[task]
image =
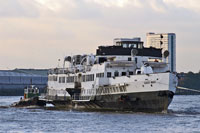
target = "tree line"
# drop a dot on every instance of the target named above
(189, 80)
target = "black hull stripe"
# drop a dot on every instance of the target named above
(143, 102)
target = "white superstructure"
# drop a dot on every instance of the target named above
(125, 76)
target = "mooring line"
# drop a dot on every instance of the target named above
(183, 88)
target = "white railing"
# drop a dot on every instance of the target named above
(77, 97)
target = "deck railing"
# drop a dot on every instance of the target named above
(77, 97)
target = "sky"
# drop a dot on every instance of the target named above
(36, 33)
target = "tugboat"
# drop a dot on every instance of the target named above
(31, 92)
(31, 98)
(123, 77)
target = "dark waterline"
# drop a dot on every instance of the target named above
(183, 116)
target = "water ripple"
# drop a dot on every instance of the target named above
(183, 116)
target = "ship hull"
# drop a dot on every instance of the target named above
(137, 102)
(139, 93)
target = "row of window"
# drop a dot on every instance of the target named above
(61, 79)
(131, 45)
(86, 78)
(89, 77)
(52, 78)
(116, 74)
(72, 79)
(100, 75)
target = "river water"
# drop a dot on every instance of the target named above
(183, 116)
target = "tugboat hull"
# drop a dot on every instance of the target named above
(30, 102)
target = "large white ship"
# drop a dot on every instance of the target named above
(125, 76)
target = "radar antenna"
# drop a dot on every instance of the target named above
(166, 53)
(134, 52)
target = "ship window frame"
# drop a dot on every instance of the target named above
(140, 45)
(63, 79)
(129, 59)
(130, 73)
(109, 74)
(133, 45)
(99, 75)
(116, 74)
(83, 78)
(124, 74)
(139, 72)
(125, 45)
(70, 79)
(55, 78)
(89, 77)
(59, 79)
